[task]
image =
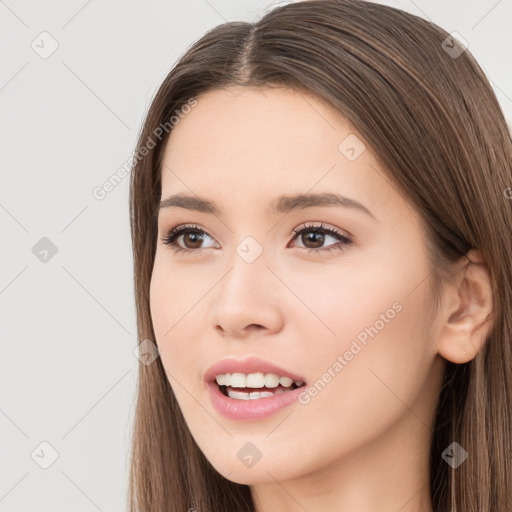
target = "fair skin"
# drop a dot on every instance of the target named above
(363, 442)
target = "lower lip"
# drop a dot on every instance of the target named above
(256, 409)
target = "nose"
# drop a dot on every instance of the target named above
(247, 300)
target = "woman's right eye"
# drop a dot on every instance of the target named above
(192, 234)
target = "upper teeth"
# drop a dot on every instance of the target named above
(254, 380)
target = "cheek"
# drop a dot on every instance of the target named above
(343, 302)
(365, 341)
(378, 298)
(173, 320)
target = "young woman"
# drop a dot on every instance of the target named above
(321, 224)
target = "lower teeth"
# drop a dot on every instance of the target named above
(253, 395)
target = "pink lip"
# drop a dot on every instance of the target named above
(260, 408)
(257, 409)
(247, 365)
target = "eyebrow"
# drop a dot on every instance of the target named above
(283, 204)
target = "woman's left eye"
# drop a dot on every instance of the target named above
(193, 236)
(319, 234)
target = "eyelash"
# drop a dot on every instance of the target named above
(173, 234)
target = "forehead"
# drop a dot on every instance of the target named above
(244, 144)
(256, 122)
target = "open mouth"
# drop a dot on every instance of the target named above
(244, 393)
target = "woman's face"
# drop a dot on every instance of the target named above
(349, 317)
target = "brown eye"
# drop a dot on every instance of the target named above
(192, 236)
(313, 238)
(316, 238)
(192, 240)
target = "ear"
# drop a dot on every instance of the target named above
(466, 312)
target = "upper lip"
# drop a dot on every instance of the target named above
(247, 365)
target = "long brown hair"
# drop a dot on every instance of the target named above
(427, 109)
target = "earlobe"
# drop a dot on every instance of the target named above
(467, 311)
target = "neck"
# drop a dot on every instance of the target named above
(388, 474)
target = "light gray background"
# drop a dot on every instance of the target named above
(68, 122)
